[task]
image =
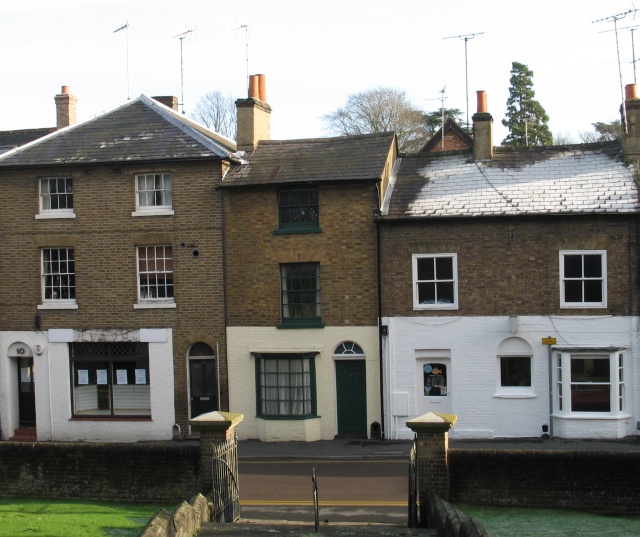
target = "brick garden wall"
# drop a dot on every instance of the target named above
(166, 472)
(599, 482)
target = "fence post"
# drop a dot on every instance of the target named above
(214, 428)
(432, 444)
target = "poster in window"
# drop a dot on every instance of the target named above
(121, 376)
(101, 376)
(83, 376)
(435, 380)
(141, 376)
(25, 374)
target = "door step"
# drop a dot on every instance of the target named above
(25, 434)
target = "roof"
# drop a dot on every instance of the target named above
(139, 130)
(581, 179)
(346, 158)
(11, 139)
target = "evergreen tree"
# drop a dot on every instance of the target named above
(525, 118)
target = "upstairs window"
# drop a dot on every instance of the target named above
(155, 274)
(301, 304)
(56, 196)
(583, 279)
(435, 281)
(153, 192)
(58, 275)
(298, 210)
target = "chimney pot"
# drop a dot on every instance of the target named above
(631, 91)
(482, 101)
(65, 90)
(262, 89)
(254, 92)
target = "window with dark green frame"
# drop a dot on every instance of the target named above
(298, 210)
(285, 385)
(300, 292)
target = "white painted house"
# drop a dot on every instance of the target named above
(510, 293)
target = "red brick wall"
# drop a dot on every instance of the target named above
(510, 266)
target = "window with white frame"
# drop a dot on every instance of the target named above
(583, 279)
(515, 371)
(155, 273)
(286, 385)
(590, 383)
(56, 196)
(110, 380)
(435, 281)
(58, 275)
(153, 191)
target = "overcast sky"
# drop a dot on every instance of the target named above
(314, 54)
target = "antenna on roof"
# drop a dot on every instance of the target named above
(245, 27)
(615, 19)
(125, 27)
(442, 99)
(633, 47)
(182, 37)
(466, 38)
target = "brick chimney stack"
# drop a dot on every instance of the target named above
(482, 130)
(631, 134)
(170, 101)
(65, 108)
(254, 115)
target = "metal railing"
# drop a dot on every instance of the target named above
(224, 473)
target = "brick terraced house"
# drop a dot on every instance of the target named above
(301, 282)
(112, 310)
(510, 288)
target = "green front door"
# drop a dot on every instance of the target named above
(351, 392)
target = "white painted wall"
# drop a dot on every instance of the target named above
(242, 341)
(472, 343)
(53, 387)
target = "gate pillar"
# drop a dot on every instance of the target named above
(432, 444)
(214, 428)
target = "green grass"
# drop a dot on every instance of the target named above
(515, 521)
(60, 518)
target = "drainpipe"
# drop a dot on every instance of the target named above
(379, 283)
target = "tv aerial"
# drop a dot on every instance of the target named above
(245, 29)
(182, 36)
(125, 27)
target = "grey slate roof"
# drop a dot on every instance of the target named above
(346, 158)
(11, 139)
(140, 130)
(564, 180)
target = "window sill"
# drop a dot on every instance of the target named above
(578, 306)
(428, 307)
(58, 306)
(294, 231)
(153, 212)
(55, 215)
(154, 305)
(311, 323)
(110, 418)
(592, 416)
(515, 395)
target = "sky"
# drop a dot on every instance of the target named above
(315, 53)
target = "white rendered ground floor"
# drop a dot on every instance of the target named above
(88, 385)
(562, 376)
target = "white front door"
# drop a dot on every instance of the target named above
(433, 385)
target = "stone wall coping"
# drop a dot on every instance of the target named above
(432, 422)
(216, 420)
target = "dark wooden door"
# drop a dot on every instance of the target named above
(351, 393)
(203, 387)
(26, 392)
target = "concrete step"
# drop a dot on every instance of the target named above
(25, 434)
(277, 528)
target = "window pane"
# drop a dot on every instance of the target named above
(593, 266)
(445, 293)
(515, 371)
(593, 291)
(573, 291)
(594, 398)
(573, 266)
(590, 370)
(426, 268)
(444, 268)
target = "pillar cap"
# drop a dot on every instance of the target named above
(432, 422)
(216, 420)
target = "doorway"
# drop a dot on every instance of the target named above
(351, 396)
(203, 380)
(26, 392)
(433, 385)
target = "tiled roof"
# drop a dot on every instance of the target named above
(11, 139)
(139, 130)
(347, 158)
(563, 180)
